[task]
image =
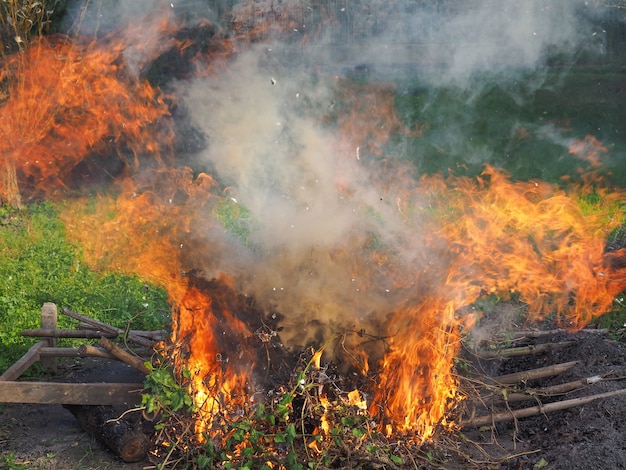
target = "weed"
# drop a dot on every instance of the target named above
(7, 462)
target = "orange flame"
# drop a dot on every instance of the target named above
(66, 102)
(475, 235)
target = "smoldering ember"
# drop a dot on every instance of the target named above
(391, 233)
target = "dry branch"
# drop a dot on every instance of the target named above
(505, 395)
(522, 350)
(156, 335)
(101, 326)
(540, 333)
(124, 356)
(533, 374)
(539, 409)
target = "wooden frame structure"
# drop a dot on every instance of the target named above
(46, 351)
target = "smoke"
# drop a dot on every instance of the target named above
(315, 207)
(310, 209)
(317, 210)
(446, 43)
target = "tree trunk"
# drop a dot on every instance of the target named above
(125, 438)
(9, 190)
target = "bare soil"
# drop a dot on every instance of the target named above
(591, 436)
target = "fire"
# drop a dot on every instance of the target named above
(525, 239)
(66, 102)
(70, 106)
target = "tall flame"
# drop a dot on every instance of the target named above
(71, 109)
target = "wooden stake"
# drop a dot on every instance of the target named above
(49, 317)
(539, 409)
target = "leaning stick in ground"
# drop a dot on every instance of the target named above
(539, 409)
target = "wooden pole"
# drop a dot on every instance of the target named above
(49, 317)
(67, 333)
(49, 393)
(28, 359)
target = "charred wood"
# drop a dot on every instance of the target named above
(125, 438)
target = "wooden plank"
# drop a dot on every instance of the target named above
(71, 394)
(28, 359)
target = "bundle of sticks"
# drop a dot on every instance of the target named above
(497, 399)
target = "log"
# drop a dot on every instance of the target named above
(125, 438)
(533, 374)
(124, 356)
(67, 333)
(539, 409)
(98, 325)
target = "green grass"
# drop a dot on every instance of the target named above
(524, 127)
(38, 265)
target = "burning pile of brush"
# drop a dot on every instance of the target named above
(320, 286)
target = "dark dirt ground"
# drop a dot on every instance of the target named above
(591, 436)
(49, 437)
